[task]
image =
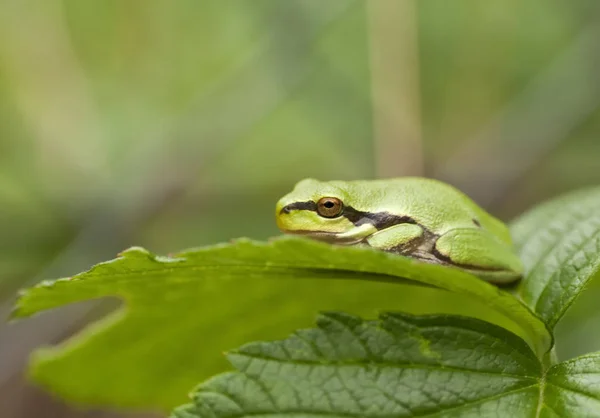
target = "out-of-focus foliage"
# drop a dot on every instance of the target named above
(203, 108)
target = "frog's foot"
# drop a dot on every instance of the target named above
(479, 253)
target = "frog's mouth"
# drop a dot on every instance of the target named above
(329, 237)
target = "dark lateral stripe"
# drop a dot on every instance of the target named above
(381, 220)
(309, 205)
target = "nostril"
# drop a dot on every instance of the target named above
(286, 210)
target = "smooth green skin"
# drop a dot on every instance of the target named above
(445, 226)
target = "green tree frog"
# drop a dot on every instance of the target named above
(416, 217)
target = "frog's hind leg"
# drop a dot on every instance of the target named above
(480, 253)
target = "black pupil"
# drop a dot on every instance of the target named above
(329, 204)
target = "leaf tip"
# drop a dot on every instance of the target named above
(20, 309)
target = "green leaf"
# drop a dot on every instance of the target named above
(559, 243)
(399, 366)
(183, 311)
(573, 388)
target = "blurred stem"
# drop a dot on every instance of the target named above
(393, 44)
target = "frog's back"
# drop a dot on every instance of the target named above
(429, 202)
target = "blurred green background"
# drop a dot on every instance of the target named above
(178, 124)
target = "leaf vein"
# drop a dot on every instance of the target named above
(359, 363)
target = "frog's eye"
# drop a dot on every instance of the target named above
(329, 207)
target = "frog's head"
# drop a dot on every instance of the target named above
(321, 210)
